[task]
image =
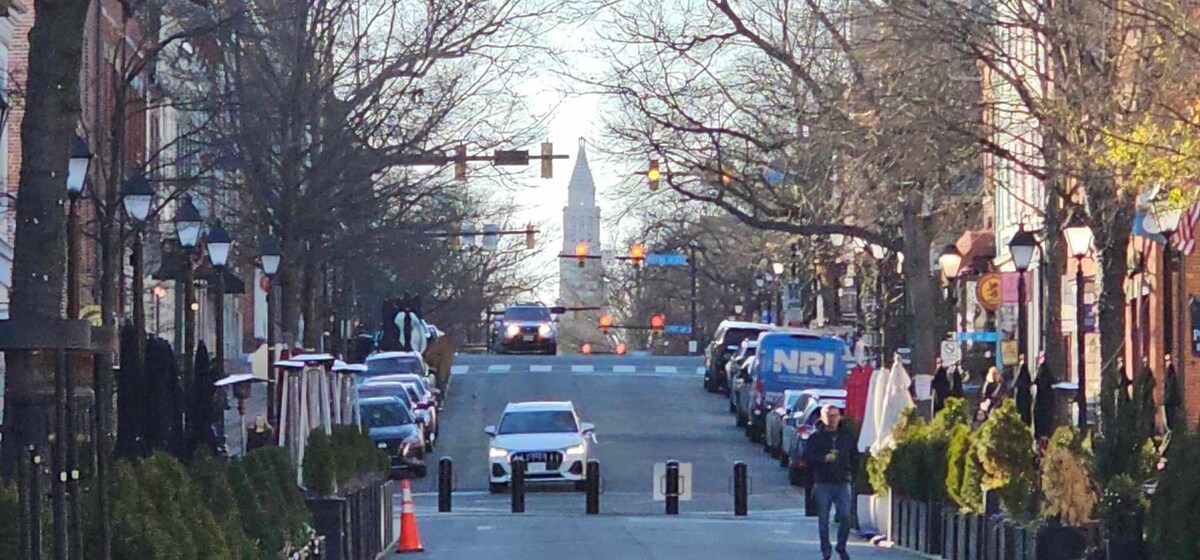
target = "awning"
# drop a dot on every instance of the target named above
(978, 248)
(174, 263)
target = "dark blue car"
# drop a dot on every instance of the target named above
(395, 430)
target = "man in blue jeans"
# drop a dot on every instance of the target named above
(830, 459)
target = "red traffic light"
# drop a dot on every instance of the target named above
(657, 322)
(637, 253)
(606, 321)
(621, 349)
(586, 348)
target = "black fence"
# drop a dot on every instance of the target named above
(941, 530)
(357, 526)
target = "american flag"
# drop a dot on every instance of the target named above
(1185, 240)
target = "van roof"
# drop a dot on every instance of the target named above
(728, 324)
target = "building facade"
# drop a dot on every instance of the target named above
(581, 286)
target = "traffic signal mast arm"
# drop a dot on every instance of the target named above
(498, 158)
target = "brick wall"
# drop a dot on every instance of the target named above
(1191, 364)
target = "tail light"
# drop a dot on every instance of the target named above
(804, 431)
(758, 386)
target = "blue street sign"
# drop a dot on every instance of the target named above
(670, 259)
(677, 329)
(977, 336)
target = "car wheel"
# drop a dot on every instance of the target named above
(795, 477)
(420, 472)
(429, 444)
(783, 460)
(741, 420)
(580, 485)
(768, 449)
(732, 407)
(755, 435)
(496, 487)
(553, 351)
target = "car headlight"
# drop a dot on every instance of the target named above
(497, 453)
(577, 450)
(544, 330)
(512, 330)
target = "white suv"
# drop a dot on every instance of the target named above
(548, 435)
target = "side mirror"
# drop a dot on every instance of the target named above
(586, 428)
(490, 431)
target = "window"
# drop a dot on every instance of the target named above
(539, 422)
(384, 415)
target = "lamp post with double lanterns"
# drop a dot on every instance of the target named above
(219, 245)
(1079, 241)
(269, 256)
(1022, 247)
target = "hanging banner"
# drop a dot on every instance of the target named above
(1194, 306)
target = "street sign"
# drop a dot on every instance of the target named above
(510, 157)
(660, 482)
(951, 352)
(677, 329)
(670, 259)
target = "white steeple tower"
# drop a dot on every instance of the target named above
(581, 286)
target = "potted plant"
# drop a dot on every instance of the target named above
(1070, 497)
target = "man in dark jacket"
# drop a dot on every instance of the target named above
(830, 459)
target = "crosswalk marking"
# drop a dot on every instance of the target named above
(665, 369)
(459, 370)
(536, 368)
(499, 368)
(624, 369)
(700, 370)
(582, 368)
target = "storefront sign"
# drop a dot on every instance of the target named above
(988, 291)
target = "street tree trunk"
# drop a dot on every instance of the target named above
(1112, 210)
(1055, 261)
(924, 297)
(52, 111)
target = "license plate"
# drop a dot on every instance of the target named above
(536, 467)
(528, 338)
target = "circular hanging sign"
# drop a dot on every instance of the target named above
(987, 290)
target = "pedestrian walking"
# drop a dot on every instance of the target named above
(1023, 390)
(940, 386)
(831, 459)
(260, 435)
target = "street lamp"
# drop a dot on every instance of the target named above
(777, 268)
(1021, 246)
(837, 239)
(137, 196)
(77, 169)
(219, 245)
(1079, 241)
(950, 261)
(269, 256)
(738, 309)
(188, 224)
(1167, 213)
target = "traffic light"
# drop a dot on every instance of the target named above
(657, 322)
(547, 163)
(606, 322)
(529, 241)
(621, 349)
(653, 175)
(581, 253)
(586, 348)
(637, 254)
(460, 163)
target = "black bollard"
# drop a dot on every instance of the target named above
(445, 483)
(672, 493)
(518, 485)
(741, 488)
(593, 487)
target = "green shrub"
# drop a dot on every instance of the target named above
(1004, 445)
(271, 478)
(918, 465)
(1173, 525)
(877, 465)
(1123, 507)
(342, 462)
(958, 453)
(212, 480)
(1066, 482)
(320, 465)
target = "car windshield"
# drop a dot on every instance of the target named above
(398, 390)
(734, 337)
(527, 314)
(792, 399)
(398, 364)
(538, 422)
(383, 415)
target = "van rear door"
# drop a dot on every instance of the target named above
(800, 361)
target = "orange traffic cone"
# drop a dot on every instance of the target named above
(410, 538)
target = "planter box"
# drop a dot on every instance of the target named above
(357, 526)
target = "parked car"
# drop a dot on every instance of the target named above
(528, 328)
(776, 421)
(745, 351)
(422, 397)
(384, 363)
(806, 423)
(796, 415)
(394, 429)
(725, 342)
(547, 435)
(739, 395)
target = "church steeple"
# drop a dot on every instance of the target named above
(581, 190)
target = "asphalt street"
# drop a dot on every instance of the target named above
(646, 410)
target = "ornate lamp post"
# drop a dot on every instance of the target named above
(1079, 241)
(1167, 213)
(77, 170)
(269, 256)
(1022, 246)
(188, 224)
(137, 196)
(219, 245)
